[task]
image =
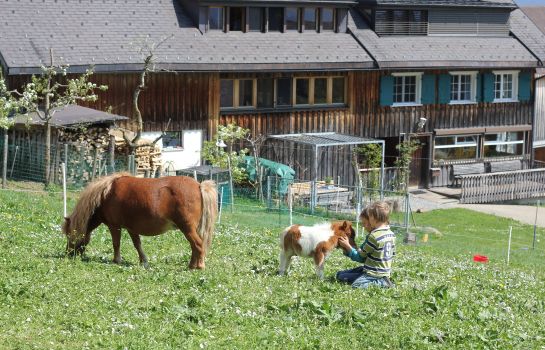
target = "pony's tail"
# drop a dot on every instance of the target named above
(209, 212)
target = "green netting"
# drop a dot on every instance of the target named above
(270, 168)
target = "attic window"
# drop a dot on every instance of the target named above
(327, 19)
(276, 19)
(215, 18)
(401, 22)
(309, 19)
(236, 18)
(256, 19)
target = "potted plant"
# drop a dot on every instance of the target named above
(329, 182)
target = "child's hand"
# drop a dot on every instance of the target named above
(345, 244)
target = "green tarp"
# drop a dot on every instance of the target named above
(270, 168)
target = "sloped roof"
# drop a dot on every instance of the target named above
(527, 32)
(71, 115)
(440, 51)
(108, 33)
(536, 14)
(442, 3)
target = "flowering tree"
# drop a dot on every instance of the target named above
(8, 104)
(46, 94)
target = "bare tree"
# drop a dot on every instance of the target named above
(255, 144)
(52, 91)
(147, 51)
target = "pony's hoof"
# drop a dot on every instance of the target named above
(145, 265)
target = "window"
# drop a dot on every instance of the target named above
(172, 139)
(276, 19)
(504, 144)
(302, 90)
(215, 18)
(268, 92)
(309, 19)
(256, 19)
(327, 19)
(463, 87)
(337, 90)
(320, 90)
(455, 147)
(401, 22)
(292, 18)
(505, 86)
(283, 92)
(226, 93)
(237, 93)
(265, 93)
(407, 88)
(246, 93)
(237, 16)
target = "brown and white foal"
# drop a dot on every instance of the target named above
(314, 242)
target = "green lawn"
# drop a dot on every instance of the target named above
(441, 300)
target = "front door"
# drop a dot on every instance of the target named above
(420, 163)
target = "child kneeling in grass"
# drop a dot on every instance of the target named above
(376, 253)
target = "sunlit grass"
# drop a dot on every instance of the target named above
(441, 299)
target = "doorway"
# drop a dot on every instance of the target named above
(420, 163)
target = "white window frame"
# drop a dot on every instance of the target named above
(473, 91)
(506, 143)
(515, 74)
(458, 144)
(418, 92)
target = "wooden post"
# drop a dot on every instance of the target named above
(111, 150)
(5, 161)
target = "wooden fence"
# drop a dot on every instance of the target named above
(502, 186)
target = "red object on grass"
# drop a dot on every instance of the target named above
(480, 258)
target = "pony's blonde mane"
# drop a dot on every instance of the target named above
(89, 200)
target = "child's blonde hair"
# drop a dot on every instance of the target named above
(364, 214)
(380, 211)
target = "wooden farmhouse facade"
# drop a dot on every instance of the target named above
(458, 75)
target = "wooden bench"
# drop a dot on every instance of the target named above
(466, 169)
(508, 165)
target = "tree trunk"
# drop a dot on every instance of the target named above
(47, 152)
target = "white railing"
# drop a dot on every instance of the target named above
(502, 186)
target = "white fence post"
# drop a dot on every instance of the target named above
(63, 167)
(509, 244)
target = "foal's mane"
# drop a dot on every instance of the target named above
(89, 200)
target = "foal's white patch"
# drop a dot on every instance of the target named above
(311, 236)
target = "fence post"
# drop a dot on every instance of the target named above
(290, 203)
(111, 149)
(509, 244)
(63, 167)
(5, 160)
(269, 203)
(221, 204)
(312, 196)
(407, 211)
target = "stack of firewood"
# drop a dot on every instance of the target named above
(96, 137)
(147, 155)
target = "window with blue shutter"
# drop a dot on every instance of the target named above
(386, 90)
(428, 89)
(444, 88)
(488, 87)
(525, 86)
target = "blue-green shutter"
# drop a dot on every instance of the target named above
(479, 92)
(488, 87)
(428, 89)
(386, 90)
(525, 81)
(444, 88)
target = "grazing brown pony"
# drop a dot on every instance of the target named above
(146, 207)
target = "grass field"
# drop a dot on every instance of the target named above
(441, 299)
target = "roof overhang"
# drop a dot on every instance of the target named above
(69, 116)
(324, 139)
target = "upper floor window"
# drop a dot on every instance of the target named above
(327, 19)
(215, 18)
(255, 22)
(309, 18)
(505, 86)
(292, 18)
(401, 22)
(276, 19)
(463, 87)
(407, 88)
(237, 18)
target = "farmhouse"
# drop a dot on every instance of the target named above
(457, 75)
